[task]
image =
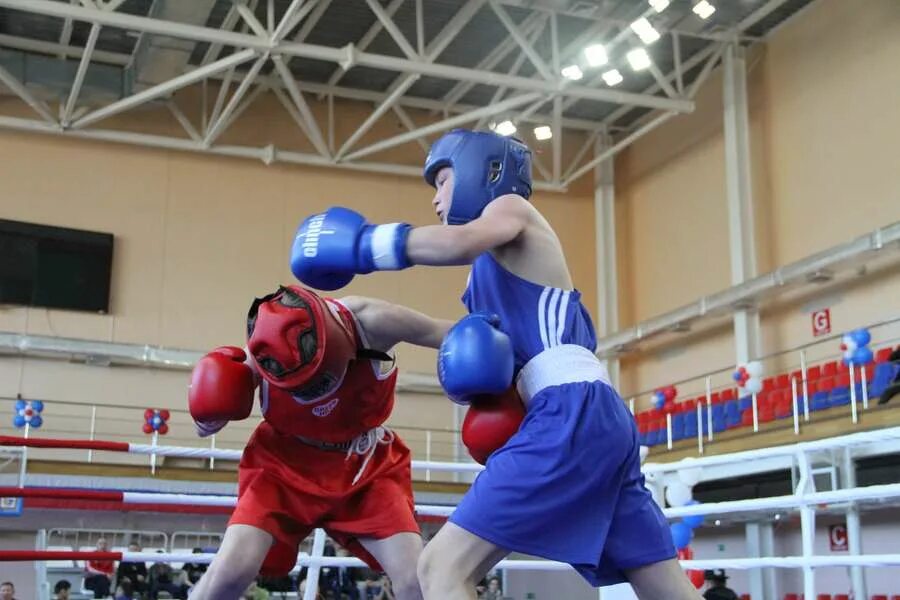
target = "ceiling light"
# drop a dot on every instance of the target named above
(612, 77)
(659, 5)
(645, 30)
(596, 55)
(572, 72)
(543, 132)
(505, 128)
(718, 522)
(704, 9)
(638, 59)
(777, 517)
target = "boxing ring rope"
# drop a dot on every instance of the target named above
(872, 492)
(306, 560)
(188, 452)
(805, 498)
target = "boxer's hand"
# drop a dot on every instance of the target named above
(333, 246)
(490, 422)
(475, 358)
(221, 389)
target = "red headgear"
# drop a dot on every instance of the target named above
(298, 343)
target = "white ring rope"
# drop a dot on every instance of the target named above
(221, 454)
(854, 439)
(872, 492)
(781, 562)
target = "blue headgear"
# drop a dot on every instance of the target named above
(485, 165)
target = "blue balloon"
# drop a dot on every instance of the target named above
(861, 336)
(693, 521)
(681, 535)
(862, 356)
(156, 421)
(37, 405)
(20, 405)
(736, 375)
(19, 421)
(36, 421)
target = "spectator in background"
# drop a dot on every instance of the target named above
(717, 588)
(164, 579)
(254, 592)
(195, 570)
(493, 591)
(7, 591)
(386, 592)
(125, 591)
(61, 589)
(98, 574)
(135, 572)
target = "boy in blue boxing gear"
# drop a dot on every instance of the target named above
(567, 486)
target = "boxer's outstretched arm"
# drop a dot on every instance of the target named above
(501, 222)
(387, 324)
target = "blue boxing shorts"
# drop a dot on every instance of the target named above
(568, 485)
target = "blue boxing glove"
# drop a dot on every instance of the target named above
(475, 358)
(333, 246)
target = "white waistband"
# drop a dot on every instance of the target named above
(558, 365)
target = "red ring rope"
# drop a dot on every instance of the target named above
(8, 440)
(22, 555)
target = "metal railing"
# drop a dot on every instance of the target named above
(795, 362)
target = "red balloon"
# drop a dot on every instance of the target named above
(685, 553)
(697, 577)
(148, 429)
(669, 393)
(148, 414)
(164, 414)
(163, 429)
(669, 407)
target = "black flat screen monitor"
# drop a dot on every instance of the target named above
(54, 267)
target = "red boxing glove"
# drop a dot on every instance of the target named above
(490, 422)
(222, 387)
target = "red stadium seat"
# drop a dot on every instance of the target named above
(842, 380)
(813, 373)
(823, 596)
(826, 385)
(782, 381)
(747, 418)
(791, 597)
(728, 394)
(768, 384)
(883, 355)
(829, 369)
(841, 597)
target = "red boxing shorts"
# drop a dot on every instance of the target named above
(287, 488)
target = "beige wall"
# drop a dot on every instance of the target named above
(825, 146)
(198, 236)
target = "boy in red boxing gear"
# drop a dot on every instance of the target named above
(322, 457)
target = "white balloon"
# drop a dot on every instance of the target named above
(850, 343)
(755, 368)
(653, 483)
(753, 385)
(690, 476)
(678, 494)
